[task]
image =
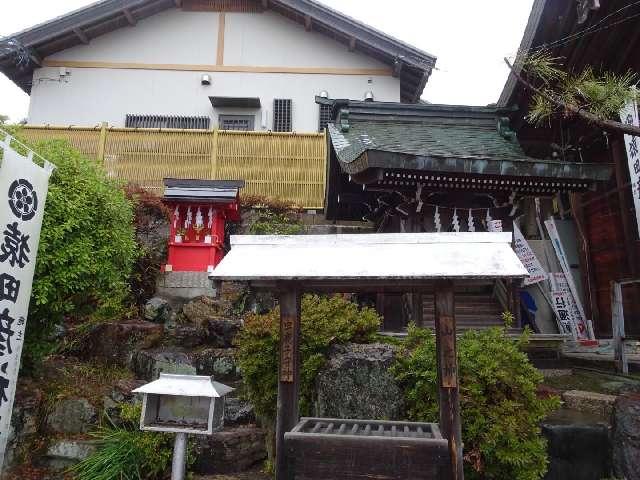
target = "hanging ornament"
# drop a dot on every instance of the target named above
(472, 227)
(210, 223)
(189, 219)
(455, 223)
(488, 217)
(176, 217)
(436, 220)
(199, 219)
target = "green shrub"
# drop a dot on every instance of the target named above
(500, 409)
(87, 246)
(324, 321)
(125, 452)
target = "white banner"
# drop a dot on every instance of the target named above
(528, 258)
(566, 308)
(581, 323)
(629, 115)
(23, 191)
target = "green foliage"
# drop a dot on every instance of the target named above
(87, 246)
(324, 321)
(126, 453)
(500, 409)
(602, 94)
(272, 223)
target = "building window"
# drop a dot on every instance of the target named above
(281, 115)
(167, 121)
(236, 122)
(325, 117)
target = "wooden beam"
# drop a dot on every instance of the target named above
(383, 72)
(265, 4)
(352, 44)
(35, 57)
(288, 374)
(129, 16)
(220, 48)
(307, 23)
(450, 425)
(178, 3)
(81, 35)
(397, 67)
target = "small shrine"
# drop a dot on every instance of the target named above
(200, 210)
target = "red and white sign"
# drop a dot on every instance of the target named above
(566, 309)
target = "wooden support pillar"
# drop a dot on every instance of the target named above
(288, 375)
(450, 425)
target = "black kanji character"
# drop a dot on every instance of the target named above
(4, 384)
(15, 246)
(629, 119)
(9, 287)
(6, 332)
(633, 147)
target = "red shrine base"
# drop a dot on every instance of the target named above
(193, 257)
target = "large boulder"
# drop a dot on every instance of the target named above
(206, 315)
(230, 451)
(220, 363)
(626, 437)
(158, 310)
(149, 364)
(24, 422)
(356, 383)
(114, 342)
(62, 454)
(201, 310)
(72, 415)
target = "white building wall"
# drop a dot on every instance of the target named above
(167, 54)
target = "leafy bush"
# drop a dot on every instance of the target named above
(87, 246)
(124, 452)
(500, 409)
(324, 321)
(270, 216)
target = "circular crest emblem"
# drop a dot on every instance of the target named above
(23, 200)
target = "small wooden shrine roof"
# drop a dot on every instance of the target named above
(402, 258)
(185, 386)
(205, 191)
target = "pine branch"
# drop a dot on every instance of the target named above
(609, 125)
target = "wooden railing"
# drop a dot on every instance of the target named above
(287, 166)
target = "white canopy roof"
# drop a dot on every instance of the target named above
(185, 386)
(393, 256)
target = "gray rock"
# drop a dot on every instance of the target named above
(201, 310)
(230, 451)
(148, 364)
(189, 336)
(157, 310)
(238, 412)
(72, 415)
(356, 383)
(220, 363)
(63, 453)
(626, 437)
(222, 331)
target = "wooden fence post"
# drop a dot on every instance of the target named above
(214, 156)
(447, 361)
(288, 374)
(102, 142)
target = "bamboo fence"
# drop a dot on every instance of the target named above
(286, 166)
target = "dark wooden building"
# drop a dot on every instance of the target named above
(604, 35)
(439, 168)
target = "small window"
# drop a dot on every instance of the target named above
(236, 122)
(281, 115)
(325, 117)
(167, 121)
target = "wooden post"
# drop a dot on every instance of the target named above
(214, 156)
(288, 375)
(617, 326)
(102, 143)
(448, 375)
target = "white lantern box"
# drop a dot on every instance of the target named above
(183, 404)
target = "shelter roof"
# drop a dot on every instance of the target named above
(185, 386)
(202, 190)
(412, 65)
(440, 138)
(372, 257)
